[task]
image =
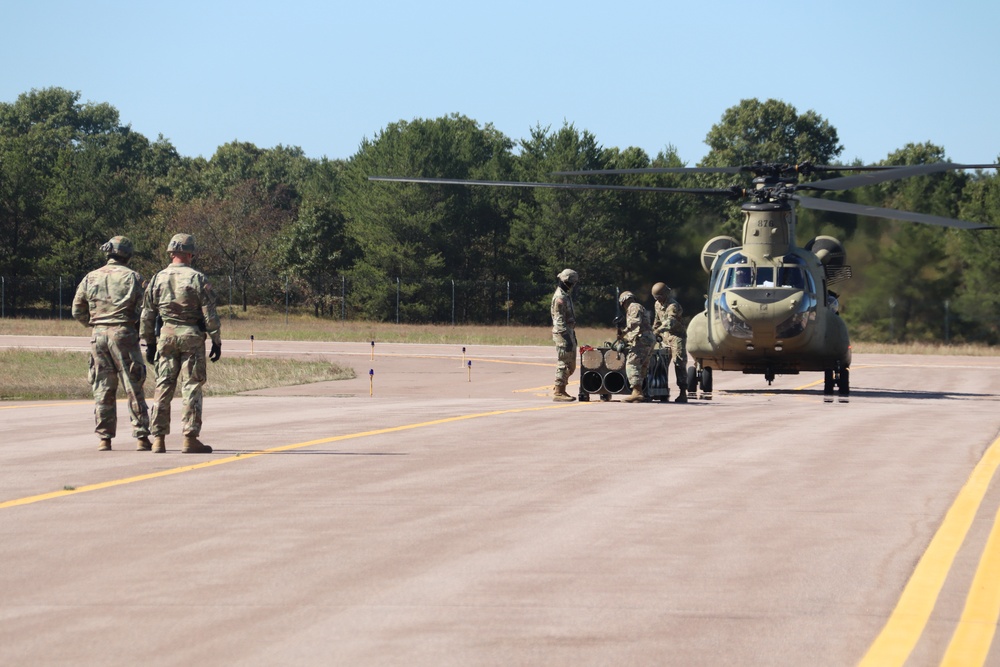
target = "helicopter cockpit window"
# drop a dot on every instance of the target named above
(790, 276)
(740, 276)
(765, 276)
(736, 258)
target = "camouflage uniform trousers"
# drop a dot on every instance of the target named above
(637, 362)
(678, 357)
(179, 358)
(566, 356)
(114, 356)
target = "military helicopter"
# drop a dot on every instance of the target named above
(769, 309)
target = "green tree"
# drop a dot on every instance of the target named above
(237, 235)
(429, 233)
(70, 176)
(315, 249)
(977, 300)
(770, 131)
(587, 230)
(909, 271)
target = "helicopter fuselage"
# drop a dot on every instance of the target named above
(768, 309)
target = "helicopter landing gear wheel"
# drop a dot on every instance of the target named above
(844, 382)
(828, 382)
(706, 380)
(692, 380)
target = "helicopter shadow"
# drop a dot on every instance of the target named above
(906, 394)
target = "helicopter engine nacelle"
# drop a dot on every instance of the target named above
(829, 250)
(713, 248)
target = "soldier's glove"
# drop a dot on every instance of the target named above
(216, 352)
(151, 353)
(659, 338)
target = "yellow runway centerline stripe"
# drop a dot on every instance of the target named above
(284, 448)
(908, 620)
(970, 645)
(47, 405)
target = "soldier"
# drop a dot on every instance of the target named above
(638, 335)
(667, 325)
(109, 300)
(564, 332)
(185, 302)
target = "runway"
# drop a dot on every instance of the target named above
(433, 512)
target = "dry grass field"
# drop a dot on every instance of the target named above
(31, 375)
(269, 325)
(39, 375)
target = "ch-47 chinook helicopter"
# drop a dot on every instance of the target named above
(769, 309)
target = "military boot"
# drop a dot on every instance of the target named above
(143, 444)
(159, 444)
(105, 445)
(682, 397)
(193, 445)
(559, 394)
(635, 397)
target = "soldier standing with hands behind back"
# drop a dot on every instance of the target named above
(109, 299)
(184, 300)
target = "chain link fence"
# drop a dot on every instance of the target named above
(498, 302)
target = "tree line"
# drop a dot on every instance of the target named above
(275, 222)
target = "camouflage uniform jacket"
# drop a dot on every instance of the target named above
(668, 319)
(184, 298)
(563, 318)
(109, 296)
(637, 330)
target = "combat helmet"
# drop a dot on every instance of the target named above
(625, 297)
(660, 290)
(181, 243)
(118, 247)
(568, 276)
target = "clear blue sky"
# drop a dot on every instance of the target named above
(324, 75)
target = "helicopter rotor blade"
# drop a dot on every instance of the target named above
(886, 174)
(654, 170)
(553, 186)
(873, 173)
(890, 213)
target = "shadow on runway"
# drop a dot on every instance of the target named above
(907, 394)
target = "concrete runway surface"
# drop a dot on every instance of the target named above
(457, 516)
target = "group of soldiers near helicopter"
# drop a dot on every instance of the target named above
(635, 330)
(176, 312)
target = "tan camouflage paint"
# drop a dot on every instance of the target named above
(667, 324)
(183, 297)
(564, 334)
(109, 299)
(639, 335)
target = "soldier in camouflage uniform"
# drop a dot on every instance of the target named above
(185, 302)
(638, 335)
(667, 325)
(564, 332)
(109, 300)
